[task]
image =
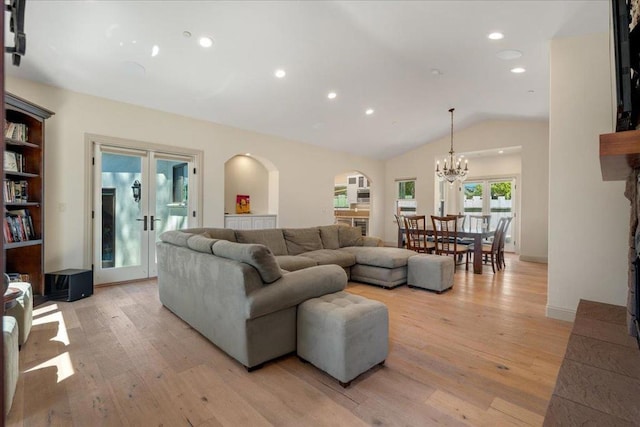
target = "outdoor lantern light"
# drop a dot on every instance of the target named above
(136, 190)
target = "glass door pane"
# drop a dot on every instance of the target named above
(170, 199)
(501, 205)
(473, 201)
(119, 217)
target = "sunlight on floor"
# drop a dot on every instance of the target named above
(51, 314)
(61, 362)
(56, 317)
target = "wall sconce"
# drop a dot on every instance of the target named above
(136, 190)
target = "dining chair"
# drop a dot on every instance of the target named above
(503, 237)
(401, 229)
(445, 230)
(479, 223)
(416, 232)
(492, 250)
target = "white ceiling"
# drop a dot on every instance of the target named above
(374, 54)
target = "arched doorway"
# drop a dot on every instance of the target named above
(251, 189)
(352, 200)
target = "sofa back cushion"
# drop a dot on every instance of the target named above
(176, 237)
(271, 238)
(258, 256)
(349, 236)
(329, 236)
(200, 243)
(300, 240)
(214, 233)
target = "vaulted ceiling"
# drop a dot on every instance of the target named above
(408, 61)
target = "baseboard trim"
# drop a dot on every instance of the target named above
(561, 313)
(538, 259)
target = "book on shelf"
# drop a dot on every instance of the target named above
(18, 277)
(18, 226)
(16, 191)
(17, 131)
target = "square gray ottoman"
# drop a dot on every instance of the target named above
(343, 334)
(433, 272)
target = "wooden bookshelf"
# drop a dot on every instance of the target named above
(24, 247)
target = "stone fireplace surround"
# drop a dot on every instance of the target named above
(632, 192)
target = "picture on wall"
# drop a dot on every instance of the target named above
(243, 205)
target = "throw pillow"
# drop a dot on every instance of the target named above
(258, 256)
(201, 243)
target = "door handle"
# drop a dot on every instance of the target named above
(145, 222)
(153, 221)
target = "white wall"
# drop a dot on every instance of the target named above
(306, 173)
(246, 175)
(589, 218)
(532, 136)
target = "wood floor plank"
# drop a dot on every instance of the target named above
(482, 353)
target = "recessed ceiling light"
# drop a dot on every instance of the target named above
(509, 54)
(155, 50)
(247, 154)
(205, 41)
(518, 70)
(332, 95)
(369, 111)
(280, 73)
(501, 151)
(186, 34)
(436, 72)
(531, 91)
(461, 156)
(496, 36)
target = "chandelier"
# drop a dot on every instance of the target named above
(454, 170)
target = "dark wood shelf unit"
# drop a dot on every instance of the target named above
(28, 256)
(619, 154)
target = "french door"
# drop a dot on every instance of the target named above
(494, 197)
(138, 194)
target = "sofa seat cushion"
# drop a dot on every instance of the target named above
(294, 288)
(294, 262)
(300, 240)
(380, 257)
(271, 238)
(330, 256)
(259, 257)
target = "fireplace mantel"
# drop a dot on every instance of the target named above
(619, 153)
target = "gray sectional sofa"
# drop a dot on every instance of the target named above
(241, 288)
(363, 258)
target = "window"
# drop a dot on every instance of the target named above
(406, 199)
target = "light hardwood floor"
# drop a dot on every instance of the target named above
(481, 354)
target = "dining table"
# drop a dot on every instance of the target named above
(476, 235)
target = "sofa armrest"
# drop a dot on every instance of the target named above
(294, 288)
(371, 241)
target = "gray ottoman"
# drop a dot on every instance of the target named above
(343, 334)
(433, 272)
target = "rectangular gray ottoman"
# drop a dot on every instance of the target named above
(343, 334)
(433, 272)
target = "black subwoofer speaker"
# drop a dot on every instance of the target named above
(69, 285)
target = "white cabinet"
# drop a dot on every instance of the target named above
(249, 222)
